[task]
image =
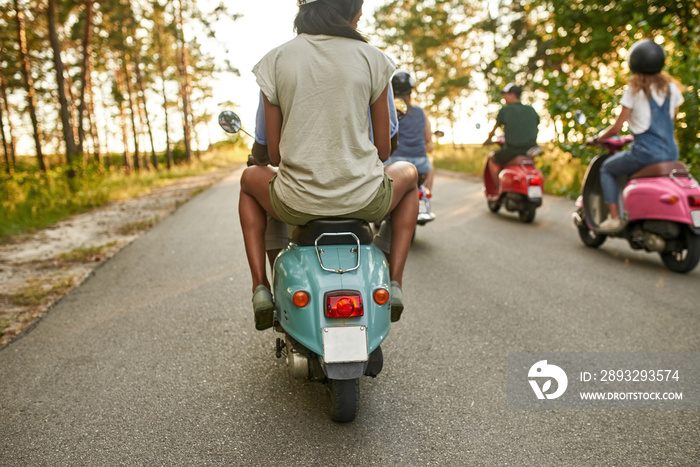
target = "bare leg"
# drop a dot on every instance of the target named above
(429, 179)
(614, 210)
(404, 211)
(253, 206)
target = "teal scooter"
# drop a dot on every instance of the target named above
(332, 303)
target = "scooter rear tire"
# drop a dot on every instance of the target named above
(345, 399)
(494, 206)
(687, 257)
(527, 214)
(590, 238)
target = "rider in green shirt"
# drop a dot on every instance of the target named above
(519, 122)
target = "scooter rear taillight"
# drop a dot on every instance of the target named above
(694, 201)
(535, 181)
(344, 305)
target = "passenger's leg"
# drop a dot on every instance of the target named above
(253, 206)
(404, 211)
(430, 179)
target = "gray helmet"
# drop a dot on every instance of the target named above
(646, 57)
(402, 83)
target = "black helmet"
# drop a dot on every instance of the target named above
(402, 83)
(646, 57)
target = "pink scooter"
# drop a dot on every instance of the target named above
(660, 206)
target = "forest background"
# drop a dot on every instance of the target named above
(113, 93)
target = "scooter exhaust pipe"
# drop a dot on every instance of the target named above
(653, 242)
(298, 364)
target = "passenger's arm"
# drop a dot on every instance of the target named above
(428, 136)
(381, 129)
(273, 128)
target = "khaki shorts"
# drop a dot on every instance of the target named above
(373, 212)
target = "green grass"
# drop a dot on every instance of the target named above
(31, 200)
(36, 292)
(82, 254)
(136, 227)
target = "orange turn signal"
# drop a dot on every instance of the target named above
(381, 296)
(300, 299)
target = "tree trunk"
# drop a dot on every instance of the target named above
(85, 75)
(10, 129)
(66, 122)
(122, 117)
(139, 80)
(132, 112)
(29, 83)
(161, 70)
(90, 108)
(196, 140)
(184, 85)
(6, 152)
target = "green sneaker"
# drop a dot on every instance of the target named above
(396, 301)
(263, 307)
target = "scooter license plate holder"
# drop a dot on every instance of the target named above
(534, 192)
(696, 218)
(343, 344)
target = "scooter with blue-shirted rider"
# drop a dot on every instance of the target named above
(415, 142)
(511, 178)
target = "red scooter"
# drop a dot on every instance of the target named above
(660, 209)
(517, 185)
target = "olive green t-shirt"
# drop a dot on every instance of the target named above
(323, 86)
(520, 123)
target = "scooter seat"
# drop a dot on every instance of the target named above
(520, 160)
(662, 169)
(306, 235)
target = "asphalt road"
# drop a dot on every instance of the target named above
(155, 359)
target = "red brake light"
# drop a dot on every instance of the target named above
(535, 181)
(694, 201)
(344, 305)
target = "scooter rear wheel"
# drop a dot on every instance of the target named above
(345, 399)
(589, 237)
(494, 206)
(527, 214)
(685, 258)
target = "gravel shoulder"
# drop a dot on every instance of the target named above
(38, 269)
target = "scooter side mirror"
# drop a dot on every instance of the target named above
(580, 117)
(230, 122)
